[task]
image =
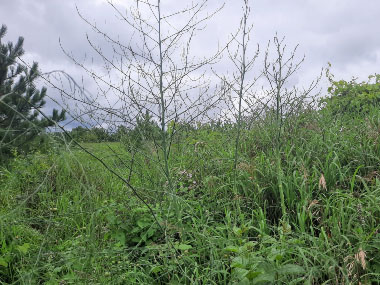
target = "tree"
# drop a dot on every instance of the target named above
(154, 72)
(239, 83)
(20, 100)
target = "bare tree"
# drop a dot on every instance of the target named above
(284, 102)
(153, 71)
(239, 84)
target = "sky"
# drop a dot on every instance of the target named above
(341, 32)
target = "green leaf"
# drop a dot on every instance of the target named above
(275, 254)
(237, 231)
(183, 246)
(57, 269)
(156, 269)
(24, 248)
(150, 232)
(143, 223)
(69, 277)
(241, 273)
(253, 274)
(120, 237)
(143, 237)
(3, 262)
(238, 262)
(249, 245)
(266, 277)
(278, 257)
(232, 248)
(291, 269)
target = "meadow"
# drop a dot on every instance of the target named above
(308, 213)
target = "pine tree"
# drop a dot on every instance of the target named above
(20, 100)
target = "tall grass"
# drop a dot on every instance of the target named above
(65, 220)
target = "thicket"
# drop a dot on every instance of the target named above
(65, 219)
(352, 96)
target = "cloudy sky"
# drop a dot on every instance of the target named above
(342, 32)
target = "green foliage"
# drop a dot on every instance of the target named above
(348, 97)
(17, 242)
(20, 100)
(82, 134)
(64, 219)
(145, 130)
(266, 262)
(139, 230)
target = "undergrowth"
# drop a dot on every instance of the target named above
(65, 220)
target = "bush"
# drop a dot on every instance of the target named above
(351, 96)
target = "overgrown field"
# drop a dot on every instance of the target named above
(65, 219)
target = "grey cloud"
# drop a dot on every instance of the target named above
(343, 32)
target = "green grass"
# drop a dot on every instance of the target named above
(64, 219)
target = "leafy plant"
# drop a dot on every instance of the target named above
(351, 96)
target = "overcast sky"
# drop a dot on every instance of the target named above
(342, 32)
